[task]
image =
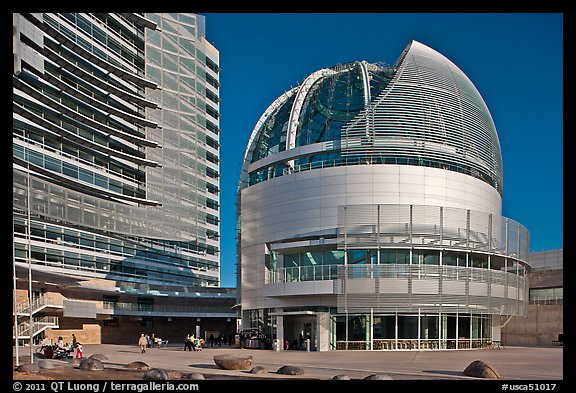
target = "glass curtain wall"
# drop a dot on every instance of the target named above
(394, 332)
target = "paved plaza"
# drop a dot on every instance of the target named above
(512, 363)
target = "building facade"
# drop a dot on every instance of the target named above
(369, 212)
(116, 174)
(544, 325)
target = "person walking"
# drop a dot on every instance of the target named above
(193, 342)
(74, 341)
(142, 343)
(78, 350)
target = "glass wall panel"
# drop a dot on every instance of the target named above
(291, 260)
(340, 324)
(384, 327)
(425, 257)
(478, 260)
(429, 327)
(451, 258)
(486, 327)
(334, 257)
(463, 326)
(311, 258)
(476, 323)
(496, 262)
(394, 256)
(357, 328)
(358, 257)
(407, 327)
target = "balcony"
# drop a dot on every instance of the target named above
(121, 308)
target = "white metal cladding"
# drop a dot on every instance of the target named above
(429, 288)
(371, 226)
(430, 110)
(256, 133)
(297, 105)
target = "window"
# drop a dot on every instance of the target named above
(212, 81)
(109, 301)
(212, 112)
(212, 127)
(213, 66)
(145, 304)
(425, 257)
(212, 142)
(212, 97)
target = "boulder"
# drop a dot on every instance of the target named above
(379, 377)
(91, 364)
(98, 356)
(45, 364)
(196, 376)
(341, 377)
(156, 374)
(233, 362)
(174, 374)
(290, 370)
(29, 367)
(138, 366)
(480, 369)
(258, 370)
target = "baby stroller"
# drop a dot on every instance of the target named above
(61, 353)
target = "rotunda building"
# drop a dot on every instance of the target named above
(370, 213)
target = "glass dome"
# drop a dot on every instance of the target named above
(422, 111)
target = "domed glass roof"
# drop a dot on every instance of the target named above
(422, 111)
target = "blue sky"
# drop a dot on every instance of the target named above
(514, 59)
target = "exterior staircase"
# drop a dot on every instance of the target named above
(39, 324)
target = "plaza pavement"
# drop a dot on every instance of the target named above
(512, 363)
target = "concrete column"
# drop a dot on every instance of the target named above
(323, 331)
(496, 335)
(280, 330)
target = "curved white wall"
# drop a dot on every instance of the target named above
(290, 206)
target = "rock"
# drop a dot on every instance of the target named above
(258, 370)
(98, 356)
(342, 377)
(174, 374)
(138, 366)
(193, 376)
(91, 364)
(156, 374)
(46, 364)
(379, 377)
(480, 369)
(290, 370)
(233, 362)
(29, 367)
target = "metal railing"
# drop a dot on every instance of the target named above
(38, 325)
(37, 303)
(403, 271)
(132, 307)
(548, 301)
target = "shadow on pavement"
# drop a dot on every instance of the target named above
(210, 366)
(445, 372)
